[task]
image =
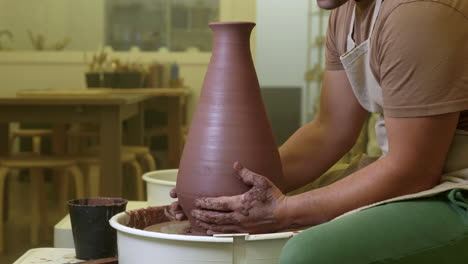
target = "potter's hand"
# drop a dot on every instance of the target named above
(256, 211)
(175, 210)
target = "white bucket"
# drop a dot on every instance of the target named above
(144, 247)
(158, 185)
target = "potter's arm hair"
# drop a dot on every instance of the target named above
(418, 147)
(315, 147)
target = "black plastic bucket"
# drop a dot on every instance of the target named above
(93, 236)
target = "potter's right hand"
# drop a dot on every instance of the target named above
(259, 210)
(175, 209)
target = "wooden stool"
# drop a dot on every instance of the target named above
(81, 138)
(142, 153)
(92, 164)
(185, 130)
(35, 134)
(36, 163)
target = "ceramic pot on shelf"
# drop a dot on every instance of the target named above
(230, 124)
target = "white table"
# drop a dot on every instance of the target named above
(49, 256)
(63, 237)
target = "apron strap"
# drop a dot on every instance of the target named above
(351, 24)
(350, 44)
(378, 4)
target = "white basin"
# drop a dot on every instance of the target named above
(158, 185)
(144, 247)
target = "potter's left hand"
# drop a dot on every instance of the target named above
(258, 210)
(175, 210)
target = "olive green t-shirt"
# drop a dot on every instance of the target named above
(418, 53)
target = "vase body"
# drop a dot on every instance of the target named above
(230, 124)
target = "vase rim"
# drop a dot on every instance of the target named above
(232, 23)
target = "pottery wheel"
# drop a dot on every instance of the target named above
(173, 227)
(182, 228)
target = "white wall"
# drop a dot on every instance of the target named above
(21, 70)
(281, 42)
(30, 70)
(281, 54)
(282, 45)
(81, 20)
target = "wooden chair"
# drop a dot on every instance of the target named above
(35, 134)
(92, 166)
(135, 157)
(143, 154)
(164, 131)
(81, 137)
(185, 130)
(35, 164)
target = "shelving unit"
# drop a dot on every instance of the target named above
(317, 30)
(316, 38)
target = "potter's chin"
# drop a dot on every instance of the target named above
(330, 4)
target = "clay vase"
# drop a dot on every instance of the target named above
(230, 124)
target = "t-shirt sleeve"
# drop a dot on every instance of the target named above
(332, 55)
(422, 60)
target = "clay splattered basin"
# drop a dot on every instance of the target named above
(144, 247)
(158, 185)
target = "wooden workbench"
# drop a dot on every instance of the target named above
(109, 111)
(172, 101)
(107, 107)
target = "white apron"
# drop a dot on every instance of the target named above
(356, 62)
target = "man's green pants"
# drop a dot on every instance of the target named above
(426, 230)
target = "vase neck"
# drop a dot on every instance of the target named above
(231, 44)
(232, 32)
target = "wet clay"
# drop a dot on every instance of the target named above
(142, 218)
(174, 227)
(230, 124)
(101, 201)
(183, 228)
(156, 219)
(113, 260)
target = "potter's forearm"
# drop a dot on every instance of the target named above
(418, 148)
(315, 147)
(377, 182)
(310, 152)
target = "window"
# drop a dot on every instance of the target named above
(153, 24)
(88, 25)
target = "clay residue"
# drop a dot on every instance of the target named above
(101, 201)
(159, 219)
(113, 260)
(142, 218)
(173, 227)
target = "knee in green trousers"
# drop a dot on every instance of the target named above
(428, 230)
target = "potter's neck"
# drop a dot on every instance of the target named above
(364, 12)
(363, 7)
